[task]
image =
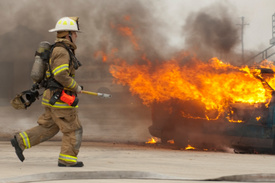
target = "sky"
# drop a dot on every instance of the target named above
(257, 14)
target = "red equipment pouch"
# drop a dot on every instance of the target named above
(71, 100)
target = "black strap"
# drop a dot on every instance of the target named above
(30, 96)
(50, 70)
(44, 55)
(52, 83)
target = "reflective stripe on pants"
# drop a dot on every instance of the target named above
(26, 140)
(68, 158)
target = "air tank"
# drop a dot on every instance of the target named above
(40, 62)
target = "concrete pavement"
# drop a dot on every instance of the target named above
(112, 162)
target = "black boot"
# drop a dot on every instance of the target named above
(17, 148)
(78, 164)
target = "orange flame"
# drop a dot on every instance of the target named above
(127, 31)
(127, 17)
(234, 121)
(102, 55)
(153, 140)
(258, 118)
(171, 141)
(189, 147)
(215, 84)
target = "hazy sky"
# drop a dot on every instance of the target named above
(257, 13)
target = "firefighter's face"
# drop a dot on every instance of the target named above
(74, 36)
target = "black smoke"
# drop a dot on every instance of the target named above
(212, 31)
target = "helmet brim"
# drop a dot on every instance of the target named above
(56, 30)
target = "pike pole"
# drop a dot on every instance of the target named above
(102, 95)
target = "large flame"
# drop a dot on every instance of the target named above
(214, 83)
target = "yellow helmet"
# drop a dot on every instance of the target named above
(66, 24)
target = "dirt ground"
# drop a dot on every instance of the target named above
(116, 162)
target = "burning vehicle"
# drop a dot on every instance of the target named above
(246, 127)
(201, 103)
(207, 105)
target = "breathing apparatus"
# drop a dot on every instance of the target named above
(40, 64)
(38, 72)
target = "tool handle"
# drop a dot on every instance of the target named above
(89, 92)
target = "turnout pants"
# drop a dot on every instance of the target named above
(49, 124)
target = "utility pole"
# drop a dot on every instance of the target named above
(242, 32)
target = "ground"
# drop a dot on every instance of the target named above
(114, 150)
(118, 160)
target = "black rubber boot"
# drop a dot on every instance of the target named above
(17, 148)
(78, 164)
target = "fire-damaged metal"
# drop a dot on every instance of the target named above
(247, 128)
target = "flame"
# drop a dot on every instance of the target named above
(171, 141)
(189, 147)
(106, 56)
(127, 31)
(258, 118)
(234, 121)
(127, 17)
(102, 55)
(208, 82)
(152, 140)
(215, 83)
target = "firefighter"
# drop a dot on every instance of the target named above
(58, 116)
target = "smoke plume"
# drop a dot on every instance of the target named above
(213, 31)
